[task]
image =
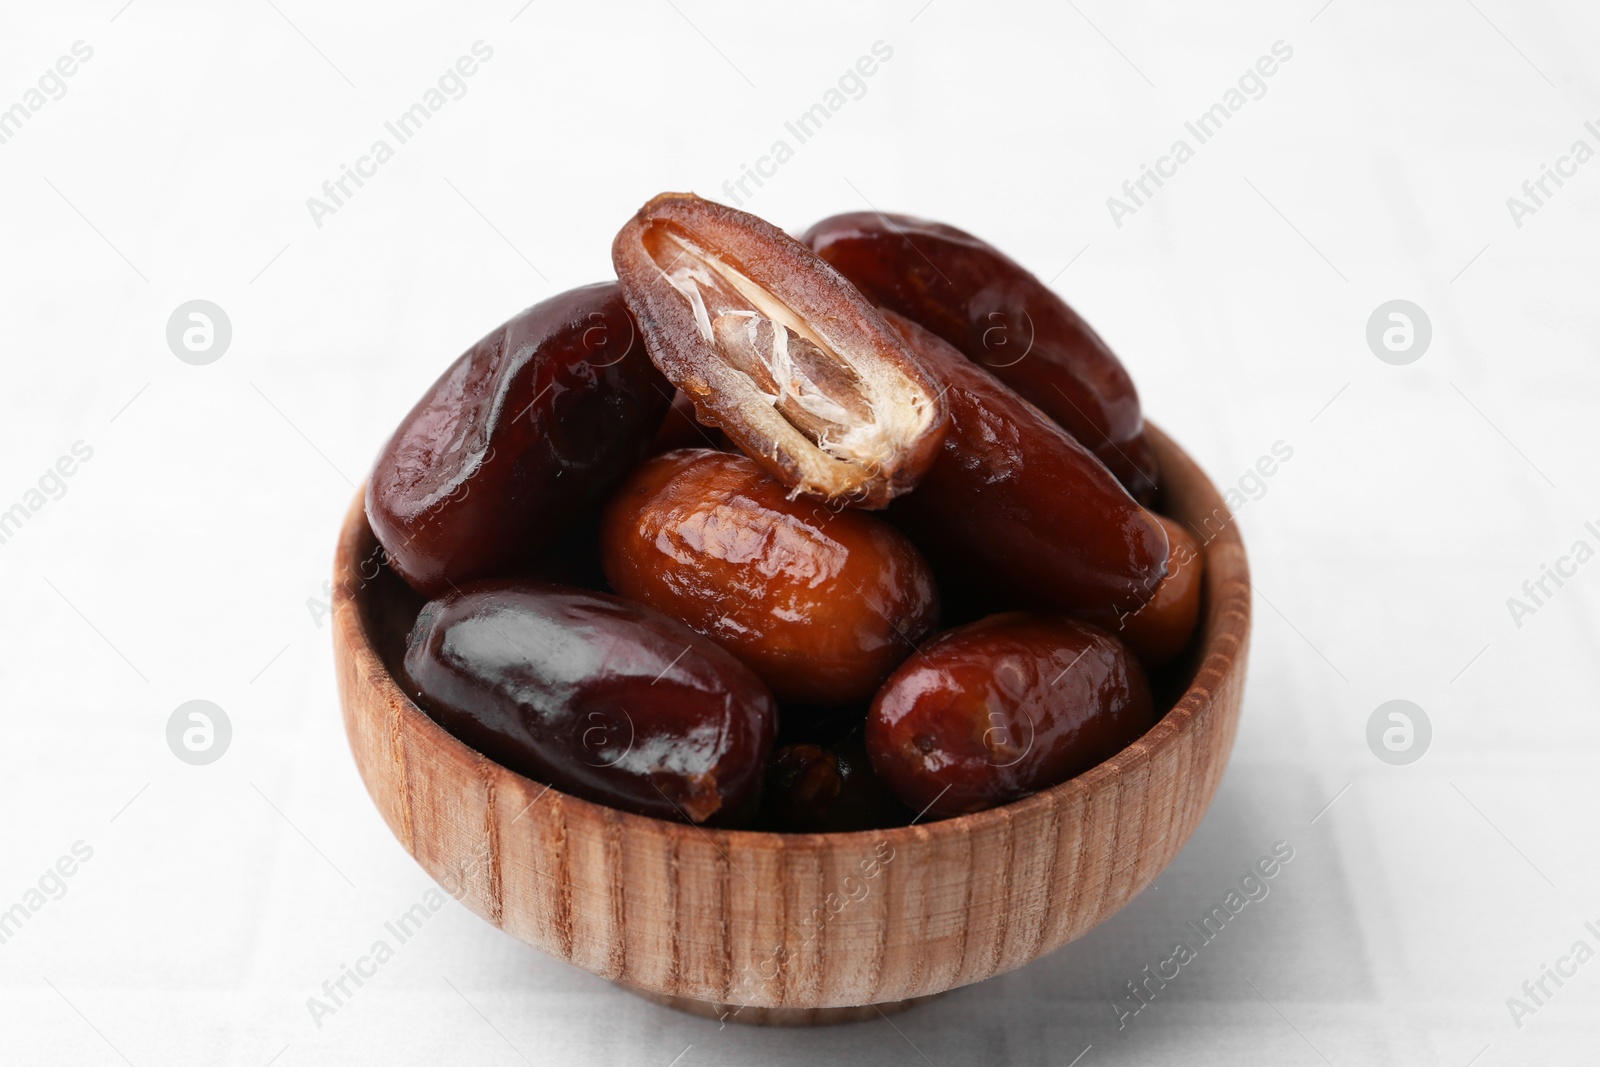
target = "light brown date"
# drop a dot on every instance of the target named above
(822, 604)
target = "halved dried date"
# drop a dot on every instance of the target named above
(604, 699)
(776, 349)
(822, 604)
(530, 428)
(1020, 504)
(1004, 707)
(997, 313)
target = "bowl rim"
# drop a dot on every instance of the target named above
(1225, 615)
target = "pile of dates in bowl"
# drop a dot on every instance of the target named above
(829, 534)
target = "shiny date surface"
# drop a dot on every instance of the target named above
(822, 604)
(1020, 506)
(601, 698)
(1004, 707)
(517, 440)
(1004, 318)
(1160, 631)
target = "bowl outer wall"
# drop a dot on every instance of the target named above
(801, 920)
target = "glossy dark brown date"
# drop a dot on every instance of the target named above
(991, 712)
(821, 603)
(601, 698)
(1000, 315)
(516, 440)
(1019, 504)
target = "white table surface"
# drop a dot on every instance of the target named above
(187, 556)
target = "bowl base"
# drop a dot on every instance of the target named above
(754, 1016)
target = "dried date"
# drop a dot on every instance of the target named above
(1160, 631)
(519, 438)
(1004, 707)
(1021, 505)
(817, 789)
(1001, 316)
(822, 604)
(773, 347)
(604, 699)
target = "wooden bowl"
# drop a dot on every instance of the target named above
(794, 928)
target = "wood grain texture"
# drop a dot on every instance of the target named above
(794, 922)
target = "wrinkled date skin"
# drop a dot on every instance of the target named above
(819, 790)
(516, 440)
(1004, 707)
(822, 604)
(1001, 316)
(772, 346)
(1017, 502)
(603, 699)
(1160, 631)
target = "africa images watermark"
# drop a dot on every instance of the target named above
(808, 123)
(1537, 592)
(1536, 992)
(52, 485)
(51, 885)
(51, 85)
(855, 888)
(1249, 486)
(451, 85)
(1252, 888)
(338, 991)
(1202, 128)
(1536, 192)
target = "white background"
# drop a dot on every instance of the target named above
(187, 558)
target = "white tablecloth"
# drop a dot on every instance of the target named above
(185, 554)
